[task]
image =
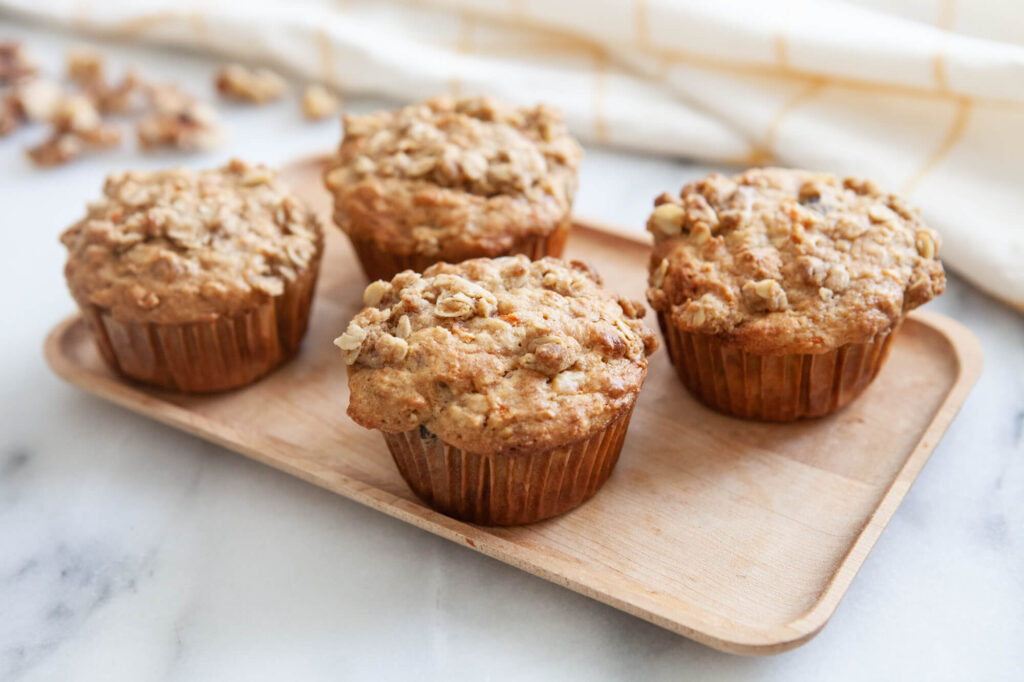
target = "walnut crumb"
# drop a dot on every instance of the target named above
(318, 103)
(15, 63)
(178, 120)
(257, 86)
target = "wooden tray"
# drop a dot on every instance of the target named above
(740, 535)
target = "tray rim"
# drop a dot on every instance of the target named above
(699, 626)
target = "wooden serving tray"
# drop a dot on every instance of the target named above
(738, 534)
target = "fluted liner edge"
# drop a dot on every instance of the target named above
(773, 387)
(506, 489)
(198, 357)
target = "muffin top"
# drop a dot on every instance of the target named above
(451, 176)
(495, 355)
(177, 246)
(785, 261)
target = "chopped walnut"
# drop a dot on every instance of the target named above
(76, 113)
(126, 97)
(57, 149)
(77, 126)
(85, 66)
(258, 86)
(88, 71)
(39, 99)
(177, 120)
(15, 63)
(11, 115)
(318, 103)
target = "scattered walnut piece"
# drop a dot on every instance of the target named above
(11, 115)
(77, 126)
(76, 113)
(57, 149)
(85, 67)
(318, 103)
(258, 86)
(123, 98)
(15, 63)
(39, 99)
(177, 120)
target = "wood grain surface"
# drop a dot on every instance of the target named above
(740, 535)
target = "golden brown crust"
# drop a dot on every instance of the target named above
(453, 178)
(179, 246)
(495, 355)
(781, 261)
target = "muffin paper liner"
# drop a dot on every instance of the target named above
(228, 352)
(381, 264)
(506, 489)
(773, 387)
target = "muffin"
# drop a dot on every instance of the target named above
(778, 291)
(453, 179)
(503, 387)
(195, 281)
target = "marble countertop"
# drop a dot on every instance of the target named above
(131, 551)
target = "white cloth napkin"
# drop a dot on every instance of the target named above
(924, 96)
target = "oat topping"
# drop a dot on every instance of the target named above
(495, 354)
(474, 144)
(179, 245)
(318, 103)
(257, 86)
(429, 176)
(790, 261)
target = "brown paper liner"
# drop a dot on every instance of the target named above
(228, 352)
(506, 489)
(773, 387)
(381, 264)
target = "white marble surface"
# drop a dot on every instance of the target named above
(130, 551)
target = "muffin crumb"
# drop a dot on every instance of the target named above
(486, 354)
(765, 256)
(170, 246)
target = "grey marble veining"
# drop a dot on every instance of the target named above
(131, 551)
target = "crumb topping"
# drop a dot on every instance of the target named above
(495, 354)
(179, 245)
(789, 261)
(453, 169)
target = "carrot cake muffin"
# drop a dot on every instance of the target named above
(452, 179)
(197, 281)
(503, 387)
(778, 291)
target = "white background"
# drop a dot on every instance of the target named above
(130, 551)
